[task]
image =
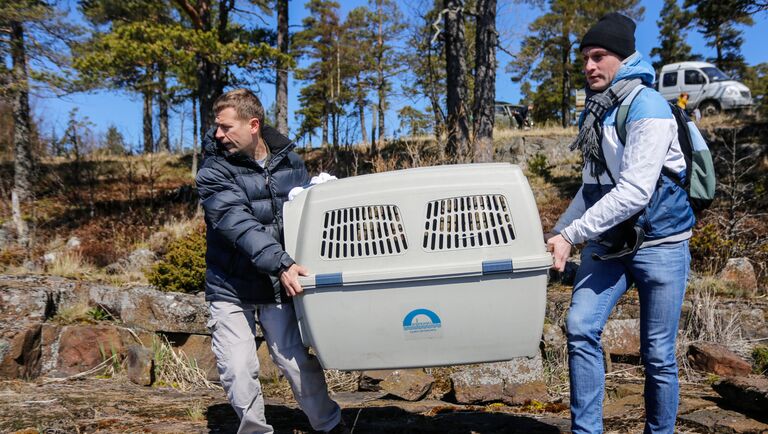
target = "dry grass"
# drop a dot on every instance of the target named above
(341, 381)
(544, 131)
(173, 368)
(181, 227)
(196, 412)
(69, 263)
(706, 322)
(77, 312)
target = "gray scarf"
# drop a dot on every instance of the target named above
(591, 132)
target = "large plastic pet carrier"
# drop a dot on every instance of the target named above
(421, 267)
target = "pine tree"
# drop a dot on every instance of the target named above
(457, 145)
(673, 24)
(485, 80)
(318, 41)
(281, 83)
(547, 55)
(717, 21)
(425, 67)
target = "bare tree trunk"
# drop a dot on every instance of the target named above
(23, 164)
(434, 99)
(361, 112)
(485, 80)
(565, 98)
(164, 143)
(194, 137)
(149, 140)
(381, 83)
(457, 145)
(324, 121)
(281, 99)
(374, 113)
(180, 143)
(335, 120)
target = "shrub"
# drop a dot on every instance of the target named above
(760, 356)
(709, 248)
(539, 166)
(182, 269)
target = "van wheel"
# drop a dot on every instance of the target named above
(709, 108)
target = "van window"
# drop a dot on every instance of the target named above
(670, 79)
(715, 74)
(693, 76)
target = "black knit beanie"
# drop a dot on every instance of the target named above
(614, 32)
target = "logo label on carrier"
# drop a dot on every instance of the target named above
(422, 323)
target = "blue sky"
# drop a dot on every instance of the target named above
(124, 110)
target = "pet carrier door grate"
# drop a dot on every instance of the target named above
(364, 231)
(468, 222)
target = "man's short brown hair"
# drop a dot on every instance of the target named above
(246, 104)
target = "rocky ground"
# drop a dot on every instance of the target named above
(57, 351)
(117, 406)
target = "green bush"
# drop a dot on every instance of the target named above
(539, 166)
(710, 249)
(182, 269)
(760, 356)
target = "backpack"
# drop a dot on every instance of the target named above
(700, 178)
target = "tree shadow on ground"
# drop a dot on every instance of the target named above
(389, 419)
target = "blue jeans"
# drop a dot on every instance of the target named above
(660, 274)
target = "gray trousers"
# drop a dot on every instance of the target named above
(232, 327)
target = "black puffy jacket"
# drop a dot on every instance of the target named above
(243, 205)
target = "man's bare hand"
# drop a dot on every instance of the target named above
(561, 250)
(290, 279)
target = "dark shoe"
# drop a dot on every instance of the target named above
(341, 428)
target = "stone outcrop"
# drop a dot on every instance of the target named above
(140, 365)
(717, 359)
(621, 337)
(150, 309)
(740, 274)
(515, 382)
(749, 393)
(718, 420)
(406, 384)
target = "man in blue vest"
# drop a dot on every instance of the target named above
(635, 221)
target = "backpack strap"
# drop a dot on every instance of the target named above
(623, 111)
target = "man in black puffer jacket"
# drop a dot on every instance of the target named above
(247, 172)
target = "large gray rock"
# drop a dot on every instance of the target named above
(136, 261)
(407, 384)
(25, 303)
(717, 359)
(20, 353)
(514, 382)
(621, 337)
(140, 365)
(150, 309)
(748, 393)
(84, 346)
(197, 349)
(718, 420)
(739, 273)
(554, 341)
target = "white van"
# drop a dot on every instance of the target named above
(708, 88)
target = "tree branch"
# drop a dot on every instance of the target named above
(191, 12)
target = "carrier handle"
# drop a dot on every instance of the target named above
(493, 267)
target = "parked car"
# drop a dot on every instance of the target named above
(709, 89)
(511, 115)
